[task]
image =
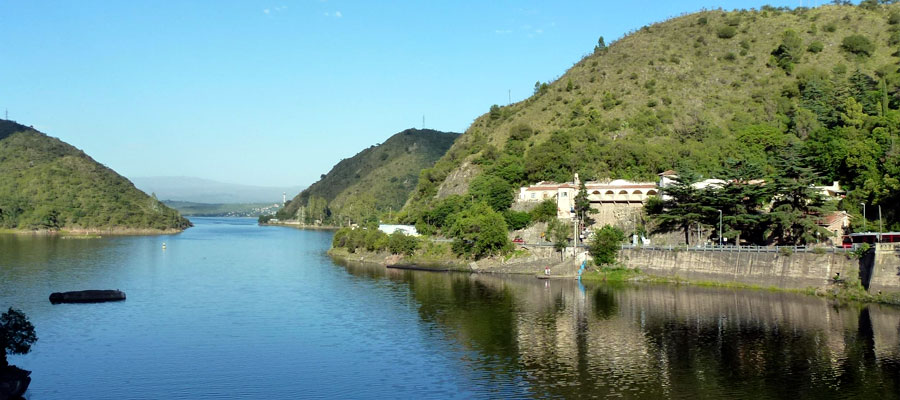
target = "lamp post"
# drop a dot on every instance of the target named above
(720, 227)
(864, 215)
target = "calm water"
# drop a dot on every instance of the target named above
(233, 310)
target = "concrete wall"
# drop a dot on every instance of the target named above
(886, 272)
(796, 271)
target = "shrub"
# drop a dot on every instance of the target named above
(858, 45)
(544, 212)
(516, 220)
(815, 47)
(479, 231)
(495, 111)
(894, 18)
(400, 243)
(726, 32)
(830, 27)
(730, 56)
(604, 247)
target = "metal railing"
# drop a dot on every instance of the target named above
(743, 249)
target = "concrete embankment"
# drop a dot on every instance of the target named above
(772, 269)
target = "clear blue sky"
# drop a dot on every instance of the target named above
(276, 92)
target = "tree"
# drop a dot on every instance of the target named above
(479, 231)
(516, 220)
(583, 206)
(400, 243)
(796, 206)
(601, 46)
(604, 247)
(493, 190)
(789, 52)
(559, 233)
(16, 334)
(681, 206)
(545, 211)
(741, 200)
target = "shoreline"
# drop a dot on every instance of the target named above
(832, 291)
(92, 232)
(302, 226)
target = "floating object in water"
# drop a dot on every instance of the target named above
(164, 245)
(87, 296)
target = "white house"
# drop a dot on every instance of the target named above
(406, 229)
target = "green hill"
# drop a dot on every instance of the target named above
(48, 184)
(701, 90)
(376, 180)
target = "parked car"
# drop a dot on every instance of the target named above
(518, 240)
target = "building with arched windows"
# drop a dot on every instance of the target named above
(614, 200)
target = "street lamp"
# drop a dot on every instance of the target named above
(720, 227)
(864, 215)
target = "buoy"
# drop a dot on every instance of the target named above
(164, 245)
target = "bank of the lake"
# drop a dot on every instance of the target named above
(92, 232)
(832, 274)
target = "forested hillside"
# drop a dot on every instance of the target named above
(377, 179)
(698, 93)
(48, 184)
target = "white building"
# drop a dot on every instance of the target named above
(409, 230)
(618, 193)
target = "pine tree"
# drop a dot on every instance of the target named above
(741, 200)
(583, 208)
(680, 207)
(796, 205)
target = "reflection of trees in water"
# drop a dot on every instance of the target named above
(662, 341)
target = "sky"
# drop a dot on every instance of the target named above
(275, 93)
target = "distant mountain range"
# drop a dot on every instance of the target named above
(198, 190)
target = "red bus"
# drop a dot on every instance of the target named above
(870, 237)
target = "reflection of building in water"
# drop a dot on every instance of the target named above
(657, 341)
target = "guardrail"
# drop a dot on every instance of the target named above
(742, 249)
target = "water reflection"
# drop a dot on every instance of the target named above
(658, 340)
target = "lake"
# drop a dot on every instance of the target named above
(232, 310)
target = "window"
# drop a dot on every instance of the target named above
(533, 195)
(565, 194)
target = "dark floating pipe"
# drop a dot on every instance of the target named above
(87, 296)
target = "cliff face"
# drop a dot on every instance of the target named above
(46, 184)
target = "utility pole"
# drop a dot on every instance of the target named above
(880, 225)
(423, 121)
(575, 237)
(509, 97)
(720, 227)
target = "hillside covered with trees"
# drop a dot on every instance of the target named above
(700, 94)
(376, 180)
(46, 184)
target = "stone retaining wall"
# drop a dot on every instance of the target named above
(795, 271)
